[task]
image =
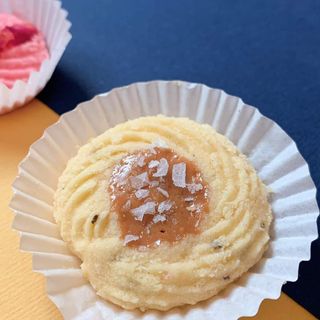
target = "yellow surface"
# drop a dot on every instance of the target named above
(22, 292)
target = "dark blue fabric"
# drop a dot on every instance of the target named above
(267, 52)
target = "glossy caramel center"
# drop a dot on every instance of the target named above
(158, 196)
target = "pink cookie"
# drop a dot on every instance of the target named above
(33, 37)
(22, 49)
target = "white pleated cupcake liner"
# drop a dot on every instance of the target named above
(51, 20)
(272, 152)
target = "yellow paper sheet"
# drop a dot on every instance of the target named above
(22, 292)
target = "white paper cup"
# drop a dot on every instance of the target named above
(271, 151)
(51, 20)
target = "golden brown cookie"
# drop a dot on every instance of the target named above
(162, 212)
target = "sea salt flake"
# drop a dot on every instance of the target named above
(165, 206)
(157, 242)
(140, 161)
(158, 218)
(194, 208)
(153, 163)
(127, 205)
(187, 199)
(122, 175)
(139, 181)
(162, 169)
(194, 187)
(147, 208)
(179, 174)
(154, 183)
(151, 149)
(163, 192)
(129, 237)
(141, 193)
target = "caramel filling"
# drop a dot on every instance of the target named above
(158, 196)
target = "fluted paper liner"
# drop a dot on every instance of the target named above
(272, 152)
(51, 20)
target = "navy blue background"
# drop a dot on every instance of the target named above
(267, 52)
